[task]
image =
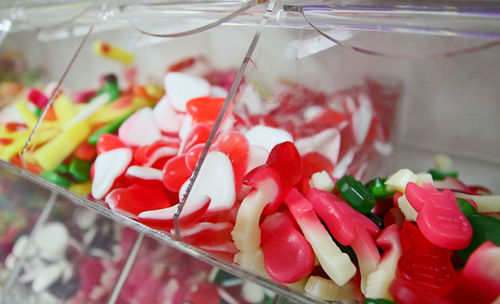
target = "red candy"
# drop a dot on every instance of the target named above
(425, 264)
(37, 98)
(204, 109)
(86, 152)
(405, 292)
(198, 135)
(439, 217)
(193, 155)
(313, 162)
(175, 173)
(137, 198)
(107, 142)
(288, 257)
(235, 145)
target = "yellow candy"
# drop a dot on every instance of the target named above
(154, 91)
(64, 109)
(8, 151)
(54, 152)
(112, 52)
(29, 118)
(141, 102)
(82, 189)
(108, 113)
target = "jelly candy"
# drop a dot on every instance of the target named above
(213, 189)
(85, 152)
(182, 87)
(439, 217)
(55, 178)
(137, 198)
(378, 282)
(270, 182)
(192, 156)
(140, 129)
(79, 169)
(206, 233)
(204, 109)
(313, 162)
(113, 52)
(404, 292)
(109, 142)
(425, 264)
(37, 98)
(335, 263)
(111, 127)
(348, 227)
(156, 154)
(378, 189)
(267, 137)
(145, 175)
(108, 166)
(355, 194)
(175, 173)
(197, 135)
(287, 254)
(167, 119)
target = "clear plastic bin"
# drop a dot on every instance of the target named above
(402, 82)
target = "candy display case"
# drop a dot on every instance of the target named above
(181, 104)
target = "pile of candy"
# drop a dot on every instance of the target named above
(279, 191)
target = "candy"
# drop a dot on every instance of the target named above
(336, 264)
(348, 227)
(378, 282)
(167, 119)
(113, 52)
(204, 109)
(137, 198)
(63, 109)
(111, 127)
(354, 193)
(440, 174)
(140, 129)
(108, 167)
(175, 173)
(144, 175)
(79, 169)
(54, 152)
(322, 181)
(85, 152)
(267, 137)
(182, 87)
(378, 189)
(107, 142)
(287, 255)
(282, 170)
(439, 217)
(37, 98)
(55, 178)
(424, 264)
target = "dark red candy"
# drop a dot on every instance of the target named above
(37, 98)
(286, 161)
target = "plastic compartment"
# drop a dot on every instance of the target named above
(447, 104)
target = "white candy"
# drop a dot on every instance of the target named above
(326, 142)
(252, 292)
(322, 181)
(166, 118)
(267, 137)
(140, 129)
(52, 241)
(182, 87)
(145, 173)
(362, 119)
(107, 167)
(257, 156)
(218, 92)
(398, 180)
(407, 209)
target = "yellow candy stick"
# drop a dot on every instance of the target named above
(154, 91)
(108, 113)
(82, 189)
(8, 151)
(54, 152)
(64, 109)
(112, 52)
(29, 118)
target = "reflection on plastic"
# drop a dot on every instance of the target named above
(446, 54)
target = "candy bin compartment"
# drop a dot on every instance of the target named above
(215, 140)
